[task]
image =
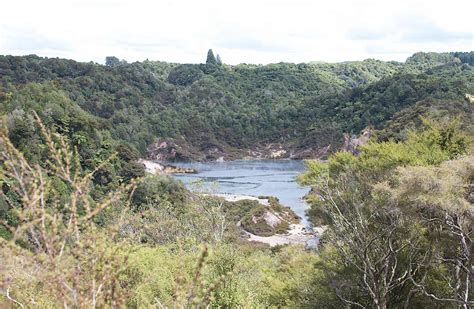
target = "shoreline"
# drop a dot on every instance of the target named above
(234, 197)
(298, 233)
(154, 168)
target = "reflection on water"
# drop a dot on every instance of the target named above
(262, 177)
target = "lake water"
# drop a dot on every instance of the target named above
(256, 177)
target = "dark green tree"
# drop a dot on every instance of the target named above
(211, 59)
(112, 61)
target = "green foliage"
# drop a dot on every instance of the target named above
(185, 74)
(258, 219)
(251, 277)
(377, 160)
(441, 111)
(385, 209)
(211, 59)
(218, 60)
(48, 230)
(398, 201)
(299, 105)
(161, 191)
(437, 143)
(112, 61)
(440, 188)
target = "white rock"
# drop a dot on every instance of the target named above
(152, 167)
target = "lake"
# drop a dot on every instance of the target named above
(256, 177)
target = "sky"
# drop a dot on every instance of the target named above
(243, 31)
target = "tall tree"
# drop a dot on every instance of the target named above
(218, 60)
(211, 59)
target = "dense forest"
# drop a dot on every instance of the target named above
(82, 225)
(210, 110)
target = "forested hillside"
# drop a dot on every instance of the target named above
(210, 110)
(82, 226)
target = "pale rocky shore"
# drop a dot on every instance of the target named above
(152, 167)
(297, 233)
(239, 197)
(156, 168)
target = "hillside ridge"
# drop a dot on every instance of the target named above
(217, 111)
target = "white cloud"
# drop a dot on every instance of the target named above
(252, 31)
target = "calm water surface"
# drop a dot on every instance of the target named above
(260, 177)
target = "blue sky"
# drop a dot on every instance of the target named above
(244, 31)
